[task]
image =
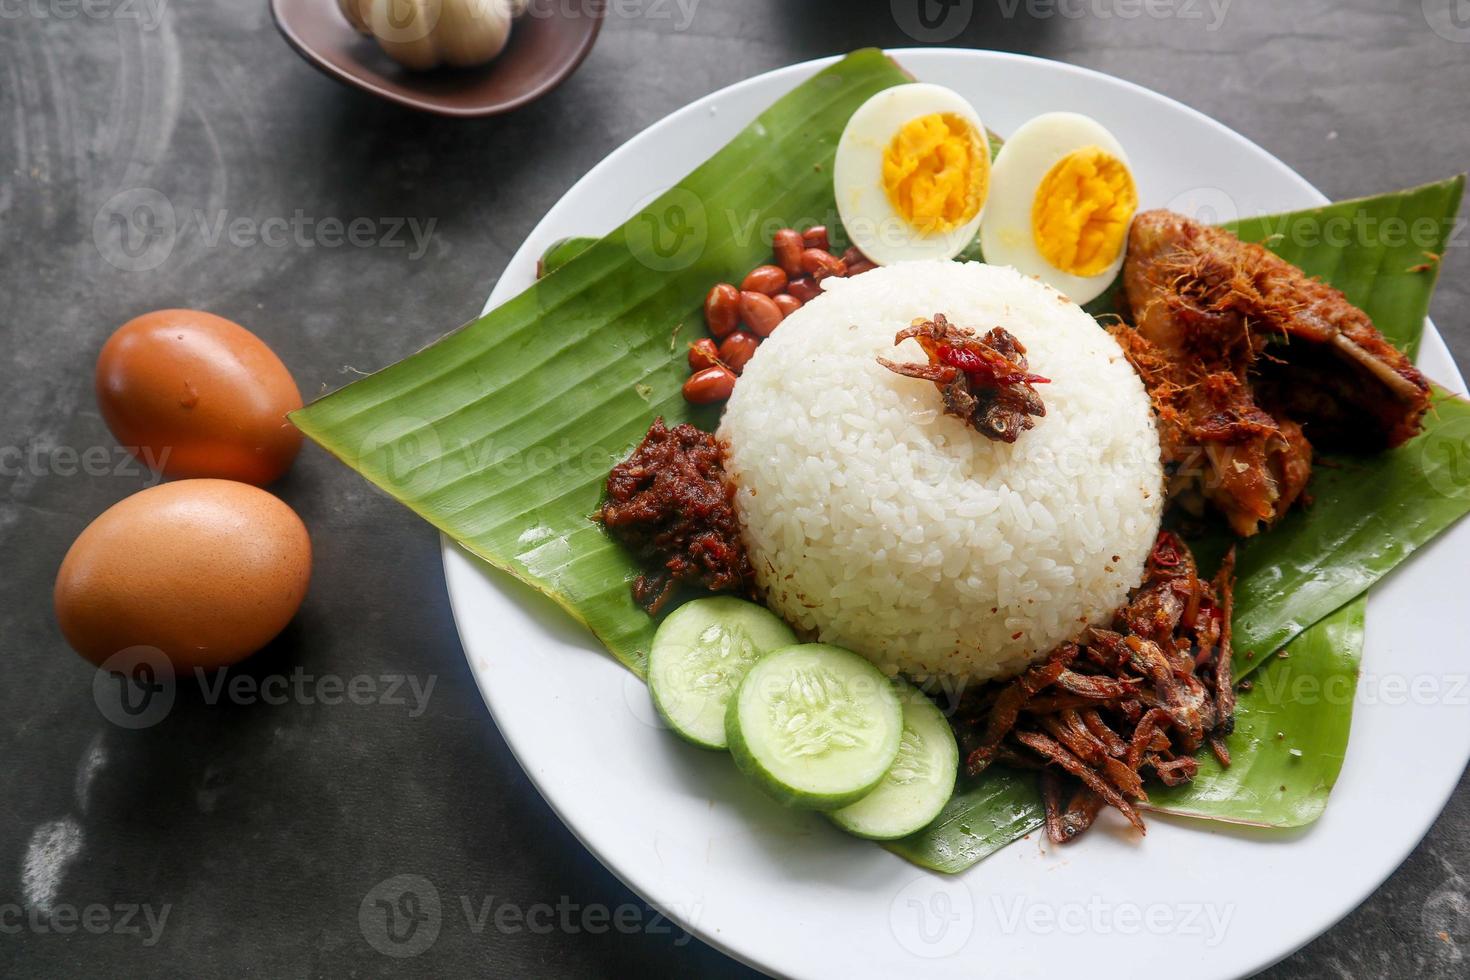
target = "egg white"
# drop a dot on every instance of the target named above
(1023, 162)
(868, 217)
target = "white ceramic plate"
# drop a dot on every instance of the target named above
(787, 893)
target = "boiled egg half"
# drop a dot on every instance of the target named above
(1062, 197)
(912, 173)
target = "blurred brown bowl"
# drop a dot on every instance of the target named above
(547, 44)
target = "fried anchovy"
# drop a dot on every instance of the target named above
(1121, 704)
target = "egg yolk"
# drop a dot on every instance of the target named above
(1080, 215)
(936, 172)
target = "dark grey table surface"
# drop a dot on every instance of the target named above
(244, 838)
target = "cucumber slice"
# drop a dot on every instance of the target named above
(698, 657)
(918, 784)
(817, 726)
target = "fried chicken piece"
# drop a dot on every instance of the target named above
(1218, 444)
(983, 380)
(1247, 358)
(1253, 299)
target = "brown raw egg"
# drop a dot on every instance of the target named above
(192, 394)
(207, 571)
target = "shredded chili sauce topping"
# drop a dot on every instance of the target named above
(983, 380)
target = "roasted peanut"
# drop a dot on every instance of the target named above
(768, 279)
(759, 312)
(816, 237)
(787, 245)
(737, 349)
(722, 310)
(804, 288)
(789, 304)
(712, 384)
(859, 267)
(820, 264)
(703, 353)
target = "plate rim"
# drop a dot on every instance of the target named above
(450, 552)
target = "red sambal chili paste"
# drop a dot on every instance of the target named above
(670, 504)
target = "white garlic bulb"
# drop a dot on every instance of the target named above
(424, 34)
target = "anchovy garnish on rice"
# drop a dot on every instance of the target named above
(984, 380)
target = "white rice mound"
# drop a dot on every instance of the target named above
(877, 522)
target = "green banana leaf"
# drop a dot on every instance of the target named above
(501, 435)
(1367, 515)
(564, 250)
(1382, 252)
(560, 253)
(1291, 732)
(985, 814)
